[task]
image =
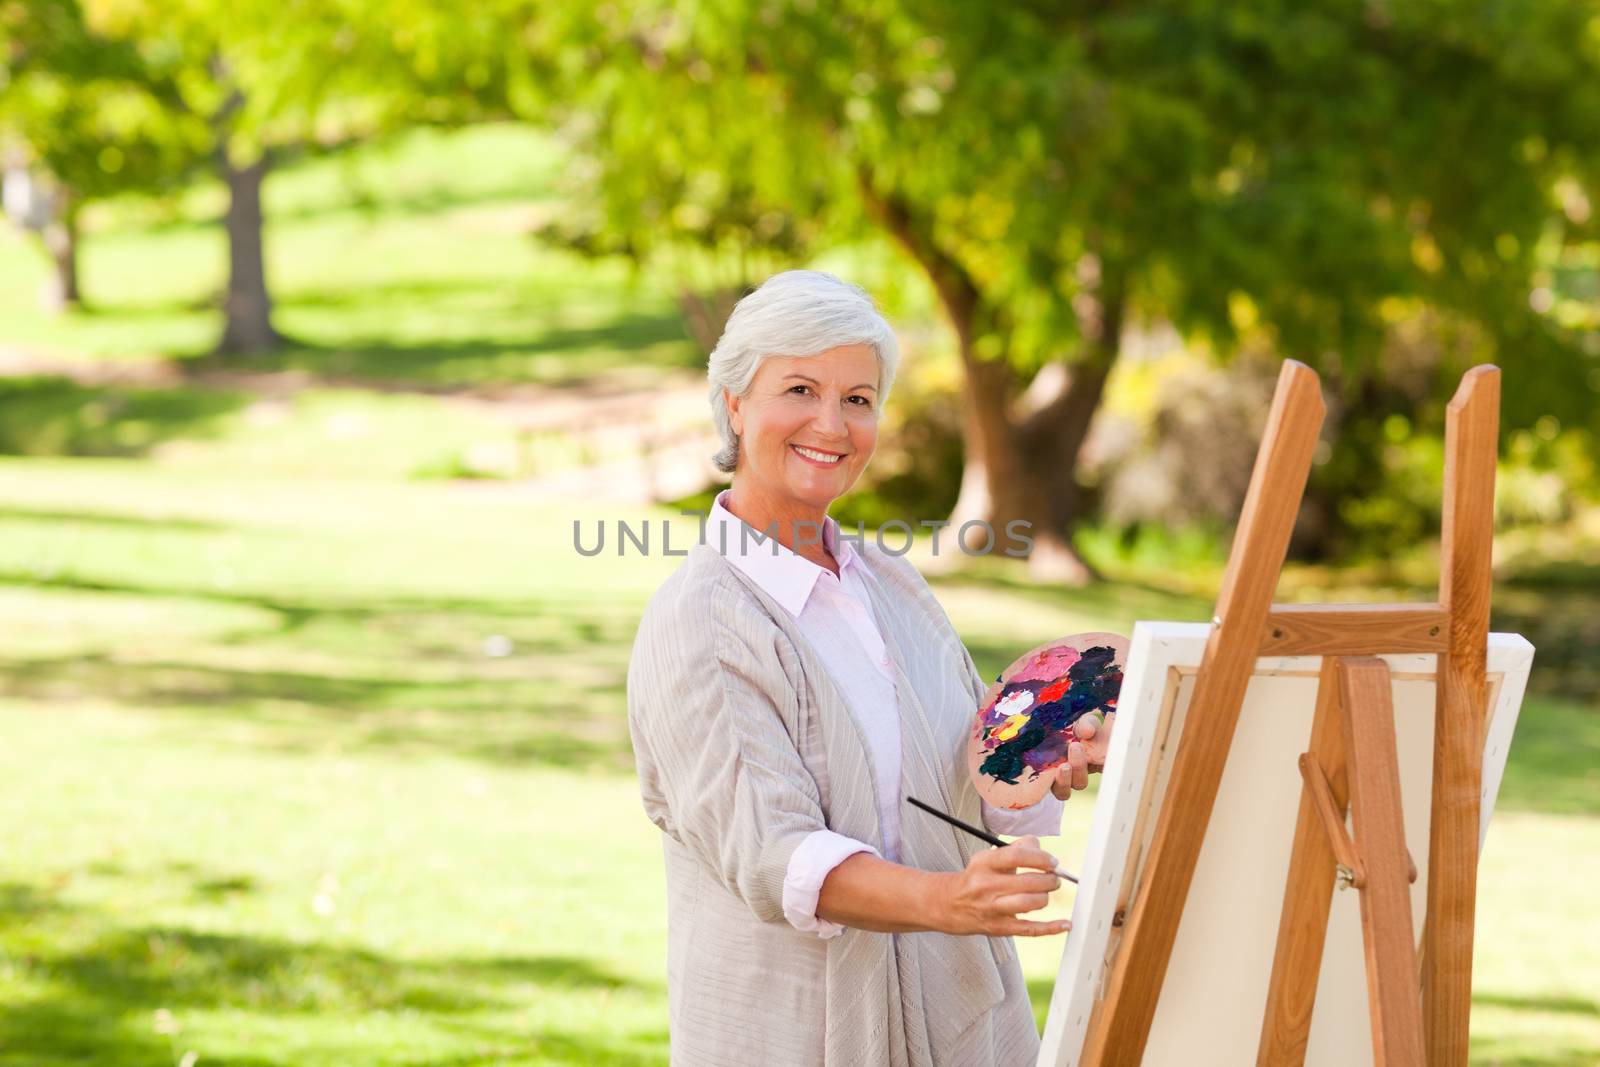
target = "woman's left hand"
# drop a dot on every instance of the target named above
(1084, 755)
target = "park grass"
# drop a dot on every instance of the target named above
(335, 771)
(310, 757)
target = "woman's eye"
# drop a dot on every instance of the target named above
(800, 388)
(866, 402)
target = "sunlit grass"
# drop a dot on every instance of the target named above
(337, 772)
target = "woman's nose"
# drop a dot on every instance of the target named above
(830, 420)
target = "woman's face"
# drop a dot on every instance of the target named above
(808, 425)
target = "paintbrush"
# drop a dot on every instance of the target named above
(975, 832)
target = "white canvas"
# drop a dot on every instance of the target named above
(1214, 995)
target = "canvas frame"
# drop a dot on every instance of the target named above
(1162, 664)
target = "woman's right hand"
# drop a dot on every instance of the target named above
(997, 886)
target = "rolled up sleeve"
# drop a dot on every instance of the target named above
(809, 867)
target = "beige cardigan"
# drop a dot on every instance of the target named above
(744, 747)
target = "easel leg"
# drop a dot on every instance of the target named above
(1373, 774)
(1120, 1026)
(1308, 894)
(1466, 547)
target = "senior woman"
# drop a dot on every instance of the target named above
(787, 690)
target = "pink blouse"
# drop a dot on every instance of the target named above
(835, 614)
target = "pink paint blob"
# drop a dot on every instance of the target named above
(1047, 664)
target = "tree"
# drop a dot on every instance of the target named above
(673, 205)
(82, 117)
(269, 81)
(254, 75)
(1060, 171)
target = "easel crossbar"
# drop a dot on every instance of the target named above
(1344, 850)
(1354, 629)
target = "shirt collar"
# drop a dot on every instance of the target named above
(780, 572)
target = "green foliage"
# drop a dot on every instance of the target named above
(669, 197)
(1181, 161)
(256, 77)
(83, 117)
(1194, 150)
(88, 109)
(1331, 182)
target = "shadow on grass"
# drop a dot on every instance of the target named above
(418, 680)
(88, 990)
(106, 518)
(465, 351)
(490, 361)
(516, 722)
(423, 203)
(1548, 1003)
(52, 415)
(561, 354)
(173, 967)
(221, 890)
(296, 611)
(1533, 1050)
(424, 684)
(368, 207)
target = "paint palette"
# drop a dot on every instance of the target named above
(1022, 731)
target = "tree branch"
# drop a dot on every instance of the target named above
(957, 291)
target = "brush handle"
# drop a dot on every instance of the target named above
(975, 832)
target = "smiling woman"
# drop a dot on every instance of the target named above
(804, 437)
(786, 693)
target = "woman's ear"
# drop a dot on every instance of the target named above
(735, 419)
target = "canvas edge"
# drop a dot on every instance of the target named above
(1152, 648)
(1510, 656)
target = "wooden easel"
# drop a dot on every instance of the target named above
(1351, 761)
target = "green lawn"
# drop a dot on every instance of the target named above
(307, 757)
(264, 771)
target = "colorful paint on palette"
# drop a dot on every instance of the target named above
(1026, 722)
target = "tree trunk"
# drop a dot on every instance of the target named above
(705, 314)
(60, 235)
(1015, 470)
(1051, 440)
(248, 306)
(990, 473)
(1027, 471)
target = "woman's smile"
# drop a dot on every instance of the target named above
(817, 457)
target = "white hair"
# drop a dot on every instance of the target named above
(795, 313)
